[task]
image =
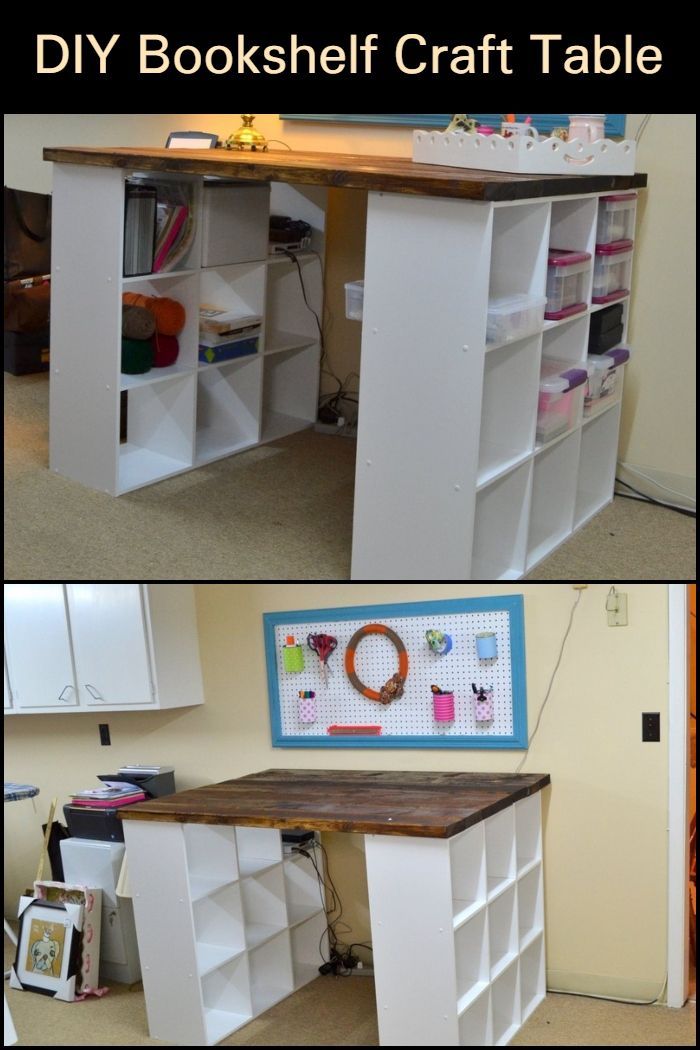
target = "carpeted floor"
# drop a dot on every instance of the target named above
(338, 1012)
(281, 511)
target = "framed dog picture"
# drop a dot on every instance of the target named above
(48, 946)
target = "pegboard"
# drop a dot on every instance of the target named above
(408, 721)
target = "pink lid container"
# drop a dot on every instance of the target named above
(563, 257)
(613, 248)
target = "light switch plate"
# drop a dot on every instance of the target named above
(618, 617)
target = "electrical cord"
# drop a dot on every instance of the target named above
(551, 682)
(279, 143)
(640, 497)
(341, 961)
(657, 484)
(613, 998)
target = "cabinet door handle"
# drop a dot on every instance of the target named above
(61, 695)
(94, 693)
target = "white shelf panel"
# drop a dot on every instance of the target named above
(160, 276)
(604, 306)
(301, 912)
(485, 477)
(277, 341)
(528, 866)
(601, 411)
(471, 996)
(156, 375)
(502, 964)
(220, 1023)
(497, 884)
(142, 466)
(309, 944)
(541, 447)
(549, 325)
(254, 865)
(277, 425)
(214, 444)
(553, 493)
(271, 977)
(596, 476)
(530, 937)
(257, 933)
(475, 1022)
(471, 959)
(211, 956)
(205, 885)
(463, 911)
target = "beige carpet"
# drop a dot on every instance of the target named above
(282, 511)
(339, 1012)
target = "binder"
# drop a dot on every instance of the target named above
(139, 228)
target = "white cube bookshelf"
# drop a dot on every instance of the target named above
(187, 414)
(222, 899)
(471, 976)
(510, 504)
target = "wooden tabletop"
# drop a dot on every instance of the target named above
(352, 171)
(433, 805)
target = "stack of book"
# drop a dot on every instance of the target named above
(109, 796)
(225, 334)
(148, 770)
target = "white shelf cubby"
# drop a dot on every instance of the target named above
(228, 407)
(500, 851)
(598, 460)
(508, 407)
(258, 849)
(528, 831)
(475, 1023)
(472, 959)
(503, 930)
(530, 905)
(468, 873)
(303, 889)
(264, 905)
(519, 245)
(159, 433)
(567, 342)
(218, 928)
(211, 858)
(532, 977)
(553, 492)
(505, 1005)
(309, 944)
(500, 526)
(226, 1000)
(290, 391)
(271, 977)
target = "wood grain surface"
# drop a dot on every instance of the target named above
(353, 171)
(434, 805)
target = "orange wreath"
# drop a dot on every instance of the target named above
(393, 689)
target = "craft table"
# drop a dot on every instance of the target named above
(449, 481)
(454, 865)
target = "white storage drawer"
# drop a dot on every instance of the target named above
(616, 218)
(513, 317)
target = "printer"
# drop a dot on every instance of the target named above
(103, 824)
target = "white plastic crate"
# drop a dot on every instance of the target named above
(354, 297)
(513, 317)
(616, 218)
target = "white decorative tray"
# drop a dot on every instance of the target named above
(520, 153)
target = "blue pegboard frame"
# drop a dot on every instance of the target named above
(431, 614)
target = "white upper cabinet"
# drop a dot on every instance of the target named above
(107, 647)
(110, 643)
(37, 639)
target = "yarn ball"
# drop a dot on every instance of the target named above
(137, 356)
(137, 322)
(165, 350)
(169, 313)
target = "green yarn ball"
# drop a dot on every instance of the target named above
(137, 356)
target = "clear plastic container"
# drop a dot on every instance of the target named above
(612, 271)
(604, 379)
(561, 390)
(616, 218)
(354, 297)
(513, 317)
(567, 277)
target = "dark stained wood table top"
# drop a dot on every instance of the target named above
(352, 171)
(432, 805)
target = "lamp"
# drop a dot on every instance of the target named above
(247, 137)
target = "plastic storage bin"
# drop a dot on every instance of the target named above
(513, 317)
(612, 271)
(604, 379)
(605, 329)
(561, 390)
(616, 218)
(567, 277)
(354, 298)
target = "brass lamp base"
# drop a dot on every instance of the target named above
(247, 137)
